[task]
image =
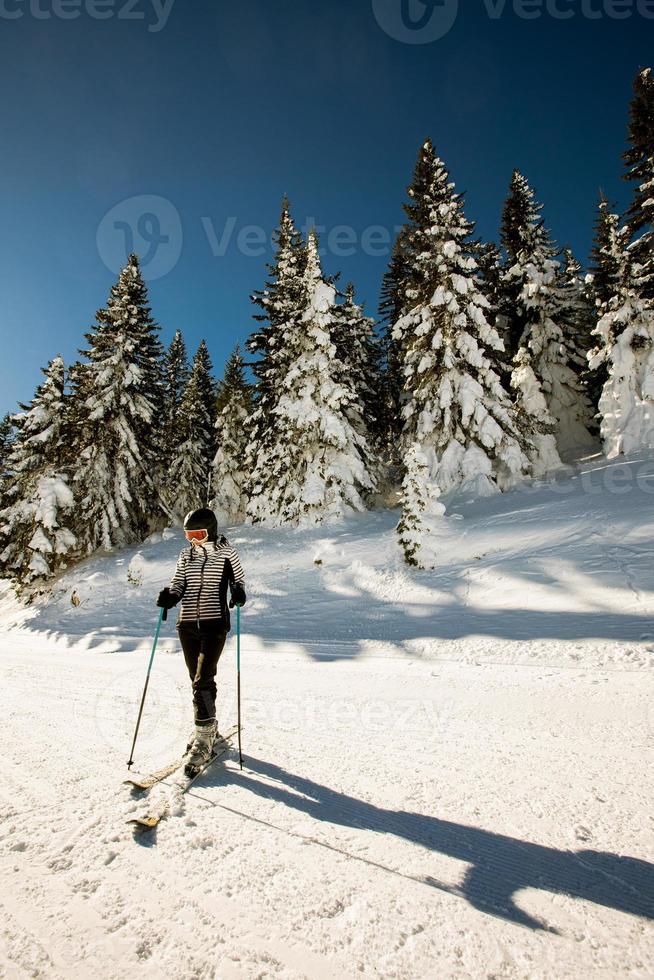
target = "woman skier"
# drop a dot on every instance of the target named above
(204, 572)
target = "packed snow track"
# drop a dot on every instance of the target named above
(446, 774)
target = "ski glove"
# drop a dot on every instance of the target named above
(238, 596)
(166, 599)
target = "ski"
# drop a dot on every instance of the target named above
(150, 820)
(147, 782)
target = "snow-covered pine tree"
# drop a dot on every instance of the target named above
(626, 345)
(359, 350)
(319, 461)
(393, 305)
(609, 244)
(489, 265)
(281, 303)
(36, 520)
(531, 279)
(208, 390)
(189, 477)
(7, 435)
(626, 328)
(176, 375)
(639, 158)
(230, 477)
(535, 415)
(114, 399)
(576, 318)
(522, 232)
(456, 406)
(422, 512)
(489, 275)
(151, 362)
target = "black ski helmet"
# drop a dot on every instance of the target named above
(197, 520)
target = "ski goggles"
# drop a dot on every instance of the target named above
(201, 535)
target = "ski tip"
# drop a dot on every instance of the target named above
(144, 823)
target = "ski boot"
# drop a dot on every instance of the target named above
(201, 749)
(216, 738)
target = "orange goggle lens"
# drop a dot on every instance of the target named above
(197, 535)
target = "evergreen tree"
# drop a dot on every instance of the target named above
(626, 346)
(359, 350)
(230, 475)
(393, 305)
(189, 478)
(625, 330)
(639, 159)
(318, 464)
(208, 390)
(35, 520)
(133, 304)
(115, 397)
(7, 435)
(281, 304)
(606, 269)
(458, 416)
(79, 386)
(534, 414)
(422, 513)
(233, 383)
(487, 257)
(606, 255)
(532, 280)
(176, 375)
(576, 318)
(522, 234)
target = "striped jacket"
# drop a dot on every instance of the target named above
(201, 579)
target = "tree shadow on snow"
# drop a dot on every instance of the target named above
(537, 563)
(500, 866)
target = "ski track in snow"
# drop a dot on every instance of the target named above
(446, 774)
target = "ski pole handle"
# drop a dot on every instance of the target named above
(145, 689)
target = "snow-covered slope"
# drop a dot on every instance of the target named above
(447, 773)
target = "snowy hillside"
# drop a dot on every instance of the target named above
(447, 773)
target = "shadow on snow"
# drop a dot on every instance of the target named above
(500, 866)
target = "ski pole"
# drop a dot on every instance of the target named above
(163, 614)
(238, 680)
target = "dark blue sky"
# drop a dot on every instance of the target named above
(229, 105)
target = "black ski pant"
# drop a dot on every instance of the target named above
(202, 645)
